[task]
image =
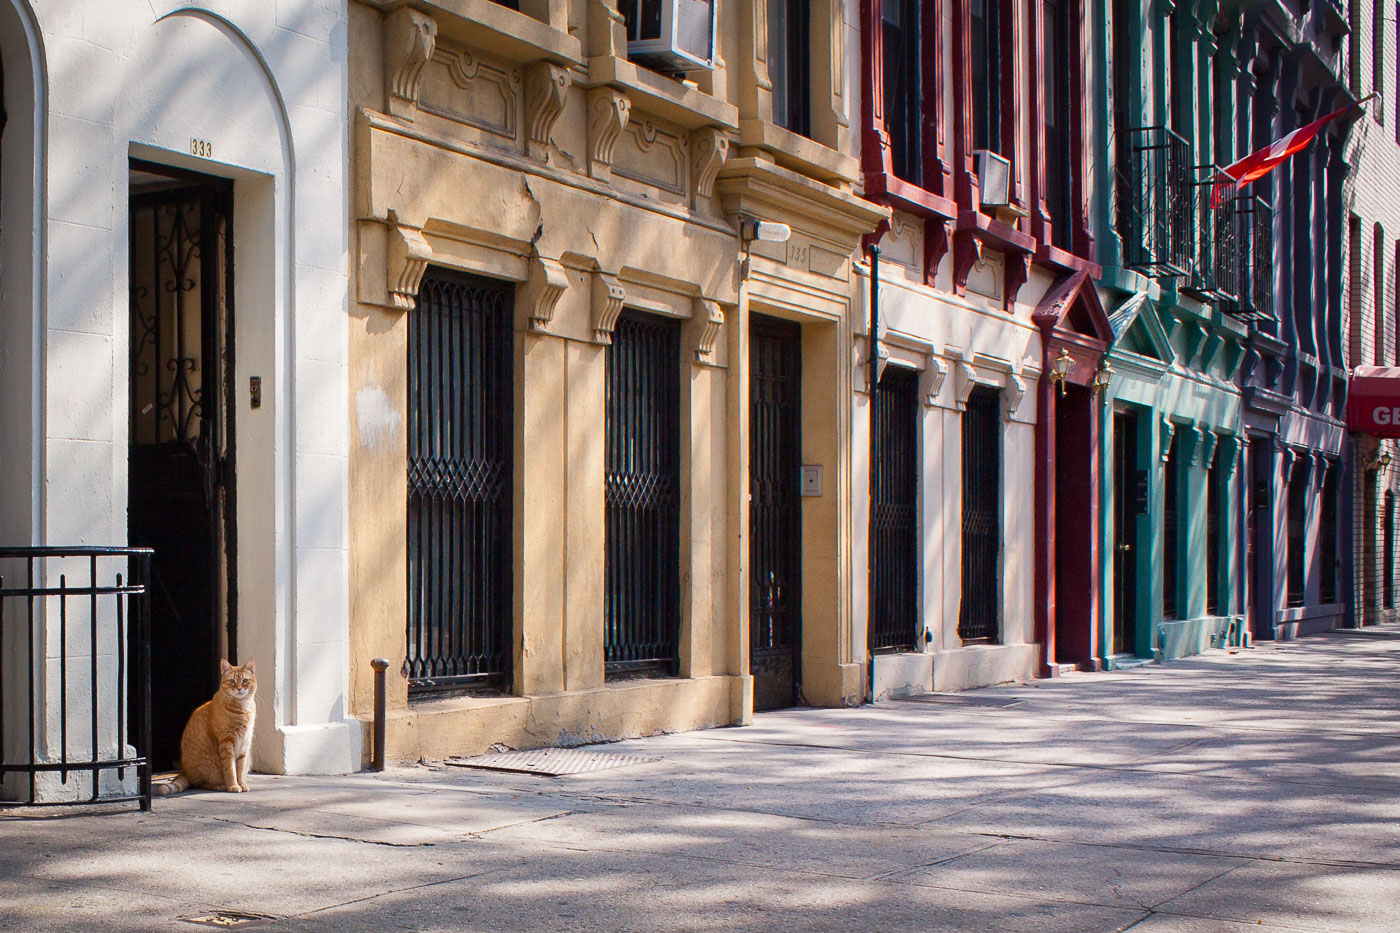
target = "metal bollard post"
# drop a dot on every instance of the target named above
(380, 665)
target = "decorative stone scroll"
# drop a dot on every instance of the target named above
(1168, 428)
(546, 88)
(409, 255)
(409, 40)
(936, 373)
(1207, 444)
(1012, 395)
(608, 112)
(708, 149)
(709, 318)
(545, 284)
(964, 377)
(607, 298)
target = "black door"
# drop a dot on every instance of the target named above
(895, 529)
(1129, 502)
(460, 448)
(775, 511)
(980, 613)
(180, 477)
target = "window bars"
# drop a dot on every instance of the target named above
(895, 529)
(460, 451)
(642, 497)
(1158, 197)
(88, 716)
(980, 612)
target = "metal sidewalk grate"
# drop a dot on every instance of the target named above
(228, 918)
(551, 762)
(957, 699)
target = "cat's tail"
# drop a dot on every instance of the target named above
(173, 786)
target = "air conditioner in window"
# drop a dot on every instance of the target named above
(993, 178)
(670, 35)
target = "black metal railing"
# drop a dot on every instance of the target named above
(1254, 296)
(460, 450)
(979, 614)
(1215, 265)
(641, 628)
(87, 707)
(895, 525)
(1158, 197)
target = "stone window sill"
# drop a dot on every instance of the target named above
(506, 32)
(799, 153)
(682, 104)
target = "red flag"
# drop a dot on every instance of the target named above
(1258, 164)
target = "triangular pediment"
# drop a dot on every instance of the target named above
(1138, 331)
(1072, 306)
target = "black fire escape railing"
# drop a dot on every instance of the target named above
(1215, 271)
(1159, 198)
(1254, 225)
(86, 734)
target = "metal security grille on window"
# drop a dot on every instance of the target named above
(981, 537)
(1156, 202)
(642, 496)
(459, 484)
(895, 533)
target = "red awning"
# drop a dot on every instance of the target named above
(1373, 400)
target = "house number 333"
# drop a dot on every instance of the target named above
(202, 148)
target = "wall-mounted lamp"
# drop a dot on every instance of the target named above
(751, 229)
(1377, 461)
(1059, 369)
(1102, 375)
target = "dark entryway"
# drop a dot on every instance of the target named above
(775, 511)
(180, 481)
(1075, 491)
(1260, 559)
(980, 613)
(894, 531)
(1129, 505)
(642, 601)
(460, 451)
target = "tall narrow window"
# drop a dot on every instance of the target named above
(1378, 291)
(641, 604)
(1061, 167)
(460, 450)
(1354, 294)
(1397, 71)
(986, 74)
(1388, 553)
(1170, 479)
(1327, 536)
(895, 529)
(1217, 525)
(903, 86)
(1378, 58)
(1176, 88)
(790, 63)
(1124, 61)
(1395, 305)
(1297, 532)
(978, 618)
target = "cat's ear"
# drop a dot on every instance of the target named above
(224, 666)
(249, 666)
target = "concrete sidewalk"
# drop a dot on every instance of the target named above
(1232, 791)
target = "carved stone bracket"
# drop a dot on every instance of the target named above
(708, 149)
(608, 296)
(608, 112)
(964, 377)
(937, 242)
(1017, 270)
(546, 88)
(967, 249)
(1208, 443)
(1012, 395)
(546, 282)
(409, 255)
(875, 363)
(708, 318)
(1168, 428)
(409, 40)
(936, 373)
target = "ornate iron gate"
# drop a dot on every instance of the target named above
(895, 525)
(642, 561)
(775, 511)
(981, 532)
(180, 480)
(460, 449)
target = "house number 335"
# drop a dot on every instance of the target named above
(202, 148)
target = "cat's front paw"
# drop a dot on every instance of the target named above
(235, 788)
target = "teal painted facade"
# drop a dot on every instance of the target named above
(1176, 354)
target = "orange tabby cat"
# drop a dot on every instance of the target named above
(215, 745)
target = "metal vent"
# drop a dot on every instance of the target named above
(551, 762)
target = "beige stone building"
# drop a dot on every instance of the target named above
(556, 302)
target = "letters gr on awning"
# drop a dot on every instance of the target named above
(1373, 400)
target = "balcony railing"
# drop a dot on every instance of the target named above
(1254, 223)
(1216, 267)
(1158, 194)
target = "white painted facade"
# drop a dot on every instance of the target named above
(258, 89)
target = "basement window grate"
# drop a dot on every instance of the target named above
(550, 762)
